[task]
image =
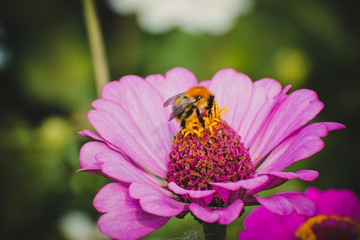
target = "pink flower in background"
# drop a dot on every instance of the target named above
(213, 175)
(338, 217)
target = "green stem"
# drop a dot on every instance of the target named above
(214, 231)
(96, 45)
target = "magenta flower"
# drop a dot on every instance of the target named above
(212, 174)
(338, 217)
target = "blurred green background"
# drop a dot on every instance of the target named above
(47, 85)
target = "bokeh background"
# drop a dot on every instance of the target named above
(48, 83)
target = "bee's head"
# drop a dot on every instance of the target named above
(198, 93)
(197, 98)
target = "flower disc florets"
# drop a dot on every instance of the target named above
(323, 227)
(213, 154)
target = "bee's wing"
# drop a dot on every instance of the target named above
(173, 114)
(172, 99)
(180, 107)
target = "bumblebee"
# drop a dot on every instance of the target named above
(196, 102)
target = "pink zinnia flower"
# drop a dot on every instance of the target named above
(212, 175)
(338, 217)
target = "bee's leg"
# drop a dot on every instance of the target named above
(201, 120)
(183, 123)
(210, 113)
(187, 115)
(210, 105)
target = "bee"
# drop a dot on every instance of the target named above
(193, 103)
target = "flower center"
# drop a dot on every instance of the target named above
(211, 154)
(323, 227)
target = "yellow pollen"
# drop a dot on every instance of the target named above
(305, 232)
(223, 111)
(192, 127)
(219, 112)
(210, 122)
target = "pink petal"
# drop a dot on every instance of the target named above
(340, 202)
(145, 107)
(276, 204)
(199, 196)
(306, 175)
(88, 152)
(175, 81)
(278, 178)
(156, 201)
(231, 212)
(119, 167)
(333, 125)
(232, 90)
(112, 91)
(226, 194)
(124, 217)
(290, 114)
(192, 193)
(222, 215)
(205, 83)
(314, 194)
(118, 127)
(272, 227)
(204, 213)
(301, 144)
(287, 203)
(140, 190)
(265, 96)
(247, 184)
(230, 190)
(90, 134)
(303, 206)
